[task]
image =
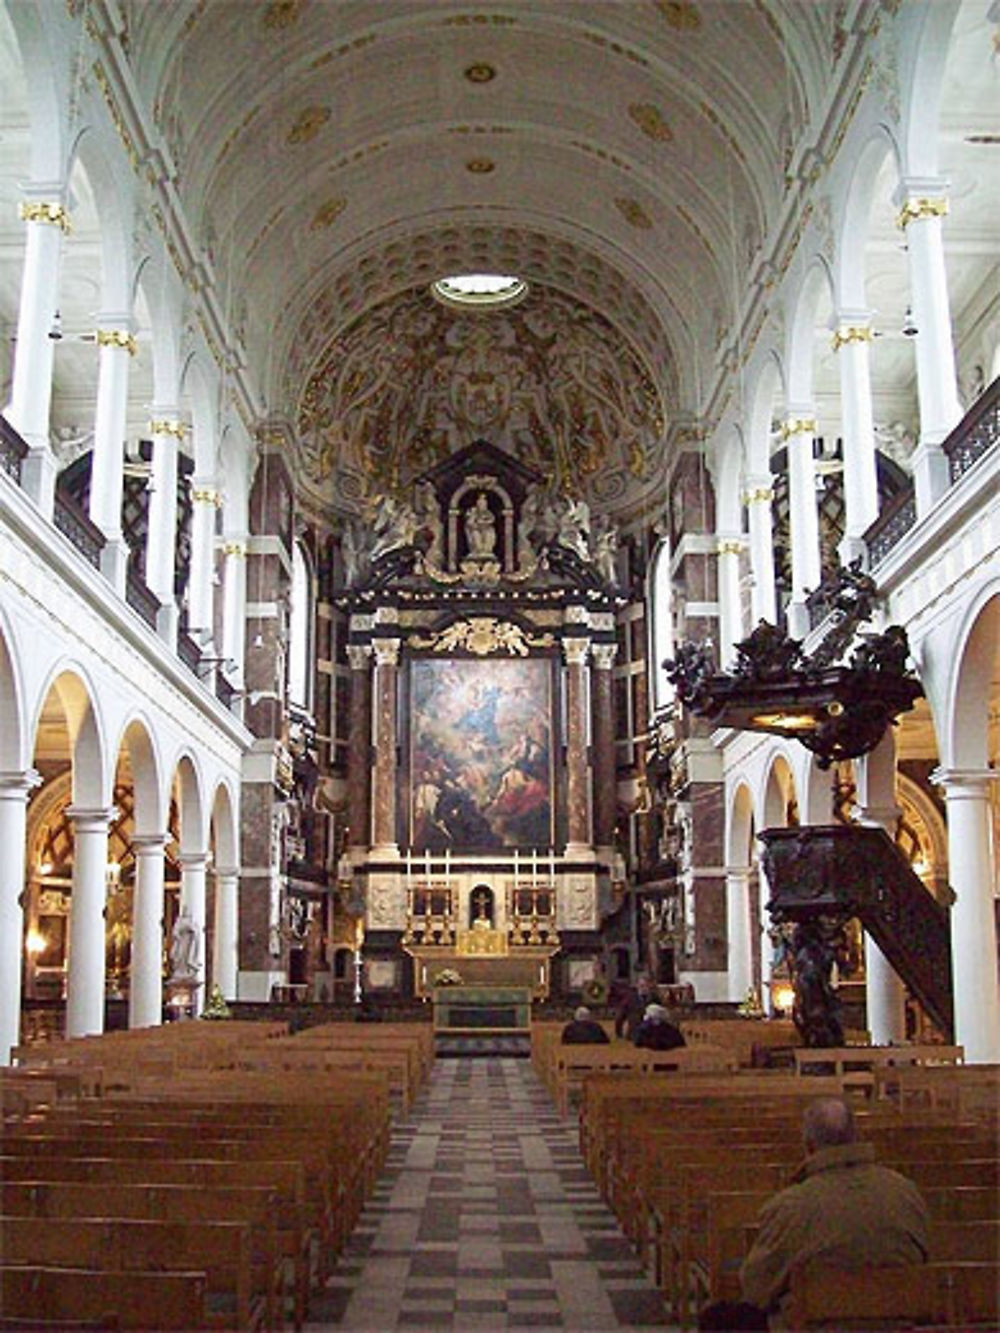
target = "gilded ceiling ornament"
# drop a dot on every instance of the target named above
(483, 635)
(650, 120)
(327, 214)
(281, 14)
(480, 166)
(680, 14)
(308, 124)
(480, 72)
(634, 213)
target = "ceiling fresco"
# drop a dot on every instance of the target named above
(549, 381)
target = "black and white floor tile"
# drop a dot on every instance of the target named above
(486, 1219)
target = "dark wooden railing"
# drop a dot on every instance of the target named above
(143, 602)
(189, 652)
(12, 450)
(77, 527)
(976, 433)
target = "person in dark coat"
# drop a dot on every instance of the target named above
(656, 1032)
(632, 1008)
(582, 1030)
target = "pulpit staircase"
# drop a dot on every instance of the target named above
(842, 870)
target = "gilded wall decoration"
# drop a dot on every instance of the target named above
(650, 120)
(634, 213)
(308, 124)
(550, 382)
(681, 15)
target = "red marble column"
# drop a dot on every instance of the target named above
(359, 747)
(386, 672)
(578, 811)
(603, 734)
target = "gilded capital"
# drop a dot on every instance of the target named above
(118, 338)
(851, 333)
(175, 428)
(234, 548)
(798, 426)
(921, 207)
(759, 495)
(604, 655)
(53, 214)
(358, 655)
(575, 651)
(206, 495)
(386, 652)
(730, 546)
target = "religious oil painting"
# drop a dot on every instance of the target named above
(480, 754)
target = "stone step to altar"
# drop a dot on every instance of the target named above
(459, 1046)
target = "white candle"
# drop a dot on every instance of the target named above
(515, 870)
(552, 866)
(427, 866)
(534, 867)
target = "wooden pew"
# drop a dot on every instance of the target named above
(117, 1299)
(236, 1295)
(257, 1206)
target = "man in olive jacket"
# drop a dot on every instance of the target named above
(843, 1210)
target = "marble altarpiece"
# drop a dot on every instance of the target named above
(481, 774)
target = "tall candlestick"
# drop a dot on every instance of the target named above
(427, 866)
(534, 867)
(552, 866)
(515, 871)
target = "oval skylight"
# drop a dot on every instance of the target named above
(479, 291)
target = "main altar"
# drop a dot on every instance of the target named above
(481, 769)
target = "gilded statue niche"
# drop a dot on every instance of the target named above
(551, 382)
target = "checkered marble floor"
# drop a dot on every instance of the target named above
(486, 1219)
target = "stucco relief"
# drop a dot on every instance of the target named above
(578, 904)
(551, 382)
(386, 909)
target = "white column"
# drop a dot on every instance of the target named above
(738, 963)
(923, 205)
(973, 916)
(225, 945)
(117, 346)
(758, 499)
(730, 610)
(803, 517)
(193, 903)
(161, 546)
(885, 993)
(851, 341)
(31, 392)
(85, 990)
(14, 789)
(145, 995)
(234, 604)
(766, 947)
(205, 500)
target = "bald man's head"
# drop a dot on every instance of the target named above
(827, 1123)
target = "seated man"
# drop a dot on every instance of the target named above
(842, 1210)
(583, 1030)
(656, 1032)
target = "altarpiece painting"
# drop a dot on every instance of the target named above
(480, 754)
